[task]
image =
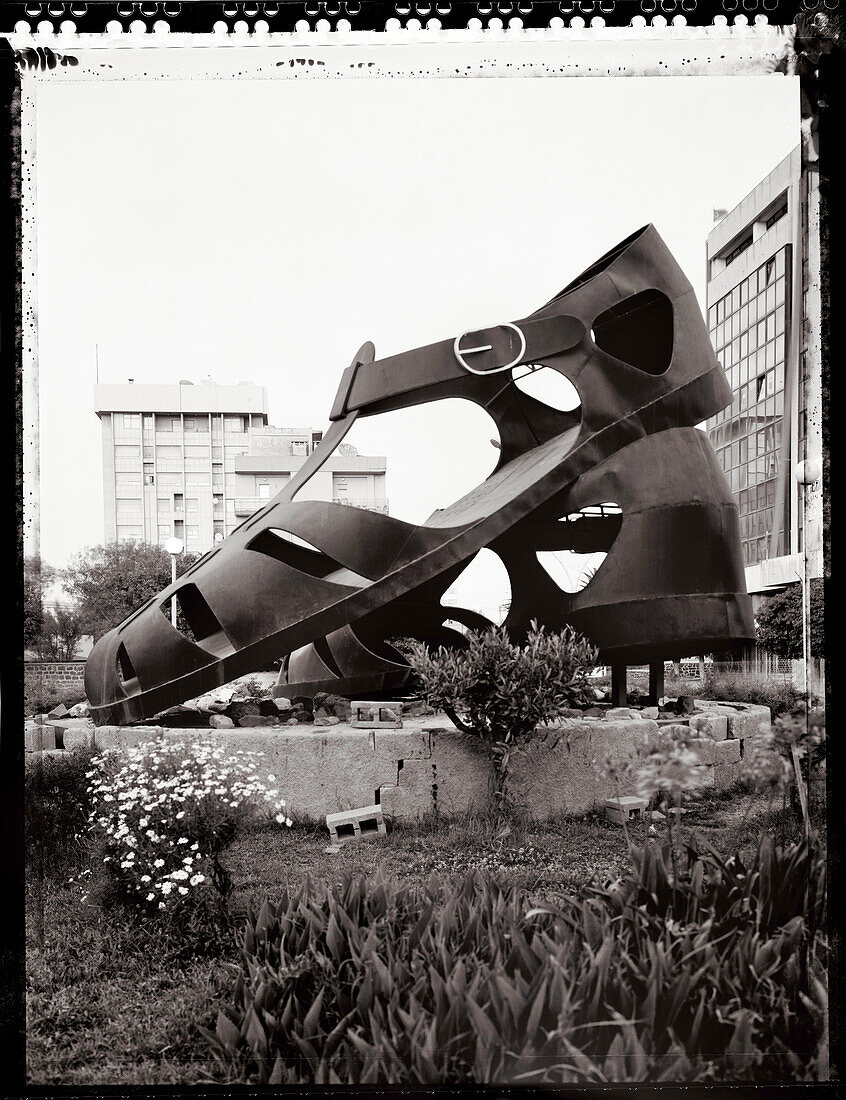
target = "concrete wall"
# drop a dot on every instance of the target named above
(430, 767)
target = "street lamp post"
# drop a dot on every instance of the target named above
(174, 547)
(807, 473)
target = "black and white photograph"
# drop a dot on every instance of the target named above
(424, 529)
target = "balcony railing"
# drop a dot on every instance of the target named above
(371, 504)
(245, 506)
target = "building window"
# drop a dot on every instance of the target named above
(193, 532)
(233, 423)
(164, 531)
(178, 503)
(299, 447)
(131, 420)
(264, 490)
(741, 246)
(148, 423)
(777, 215)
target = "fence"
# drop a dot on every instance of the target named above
(756, 662)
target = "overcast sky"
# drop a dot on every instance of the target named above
(261, 230)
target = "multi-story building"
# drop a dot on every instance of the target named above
(763, 299)
(275, 454)
(192, 461)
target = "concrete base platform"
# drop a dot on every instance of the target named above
(430, 767)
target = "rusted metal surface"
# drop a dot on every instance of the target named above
(629, 335)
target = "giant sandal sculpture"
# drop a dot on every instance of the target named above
(326, 586)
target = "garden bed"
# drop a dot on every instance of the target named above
(110, 1004)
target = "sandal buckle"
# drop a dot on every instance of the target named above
(461, 352)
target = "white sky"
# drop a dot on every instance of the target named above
(261, 230)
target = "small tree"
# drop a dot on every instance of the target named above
(37, 576)
(61, 632)
(110, 582)
(500, 692)
(778, 626)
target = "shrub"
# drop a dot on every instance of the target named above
(500, 692)
(163, 813)
(42, 698)
(57, 803)
(779, 695)
(707, 976)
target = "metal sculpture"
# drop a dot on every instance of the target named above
(326, 585)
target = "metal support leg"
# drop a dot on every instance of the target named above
(656, 682)
(619, 686)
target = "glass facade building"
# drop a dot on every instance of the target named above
(763, 310)
(748, 326)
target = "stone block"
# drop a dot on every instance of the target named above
(249, 720)
(562, 769)
(39, 738)
(649, 712)
(727, 752)
(242, 708)
(60, 711)
(124, 737)
(624, 808)
(282, 704)
(356, 823)
(703, 748)
(333, 706)
(703, 775)
(326, 720)
(618, 712)
(79, 710)
(749, 723)
(743, 719)
(714, 726)
(726, 775)
(78, 737)
(679, 731)
(221, 722)
(379, 714)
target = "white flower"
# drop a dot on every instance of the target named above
(158, 863)
(181, 814)
(196, 879)
(151, 897)
(182, 840)
(183, 890)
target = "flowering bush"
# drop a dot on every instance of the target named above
(163, 813)
(670, 770)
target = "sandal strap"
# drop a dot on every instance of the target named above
(476, 352)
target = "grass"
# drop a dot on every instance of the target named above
(111, 1003)
(108, 1004)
